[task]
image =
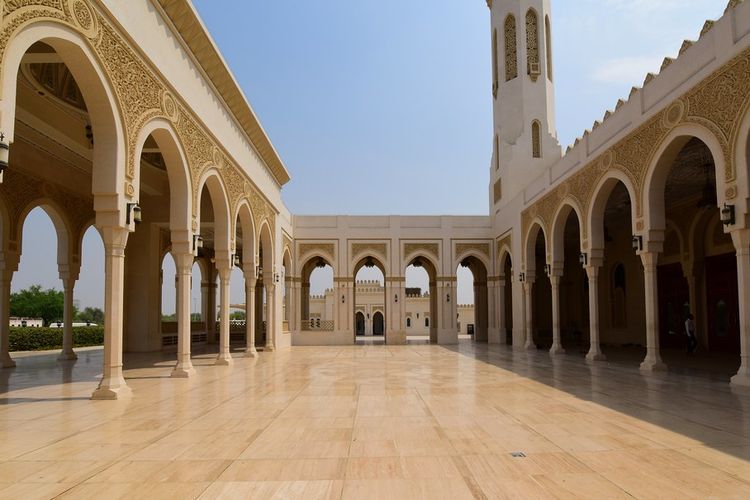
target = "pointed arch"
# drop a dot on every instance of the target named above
(212, 181)
(655, 180)
(245, 221)
(558, 228)
(600, 197)
(64, 233)
(536, 139)
(178, 175)
(536, 227)
(109, 172)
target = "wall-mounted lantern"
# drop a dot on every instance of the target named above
(522, 277)
(197, 243)
(583, 259)
(395, 298)
(343, 299)
(236, 260)
(133, 213)
(727, 215)
(448, 297)
(4, 155)
(548, 269)
(637, 242)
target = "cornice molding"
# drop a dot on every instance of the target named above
(196, 38)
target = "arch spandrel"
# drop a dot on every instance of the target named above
(479, 250)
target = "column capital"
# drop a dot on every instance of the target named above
(183, 262)
(650, 259)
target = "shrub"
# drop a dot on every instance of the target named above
(41, 339)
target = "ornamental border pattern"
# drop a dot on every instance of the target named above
(718, 103)
(141, 96)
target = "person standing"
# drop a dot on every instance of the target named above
(690, 331)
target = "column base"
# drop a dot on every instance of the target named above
(112, 388)
(269, 348)
(6, 361)
(224, 359)
(183, 371)
(653, 364)
(595, 356)
(556, 350)
(67, 356)
(741, 378)
(251, 353)
(529, 346)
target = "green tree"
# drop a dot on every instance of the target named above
(91, 315)
(34, 302)
(237, 315)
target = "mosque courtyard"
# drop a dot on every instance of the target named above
(416, 421)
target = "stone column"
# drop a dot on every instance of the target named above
(183, 277)
(271, 326)
(557, 347)
(528, 288)
(112, 385)
(208, 303)
(653, 361)
(595, 352)
(250, 284)
(741, 241)
(501, 323)
(225, 357)
(67, 353)
(5, 280)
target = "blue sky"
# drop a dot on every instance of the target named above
(384, 107)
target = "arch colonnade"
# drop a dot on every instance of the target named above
(97, 135)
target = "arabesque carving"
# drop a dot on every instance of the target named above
(378, 249)
(481, 248)
(718, 103)
(139, 92)
(429, 248)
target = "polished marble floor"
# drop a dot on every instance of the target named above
(416, 421)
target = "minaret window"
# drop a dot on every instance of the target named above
(495, 76)
(536, 139)
(532, 44)
(511, 49)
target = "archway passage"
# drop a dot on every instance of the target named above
(317, 304)
(360, 321)
(369, 298)
(507, 300)
(421, 300)
(473, 320)
(697, 272)
(574, 290)
(54, 99)
(620, 282)
(378, 324)
(541, 297)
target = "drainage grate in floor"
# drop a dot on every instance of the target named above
(518, 454)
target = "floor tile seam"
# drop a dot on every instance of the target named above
(713, 466)
(603, 477)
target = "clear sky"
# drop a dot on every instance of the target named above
(384, 107)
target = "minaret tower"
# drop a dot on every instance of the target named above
(524, 132)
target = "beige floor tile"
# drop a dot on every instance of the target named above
(389, 422)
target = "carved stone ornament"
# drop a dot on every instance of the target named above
(377, 249)
(140, 93)
(327, 249)
(718, 103)
(481, 248)
(429, 248)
